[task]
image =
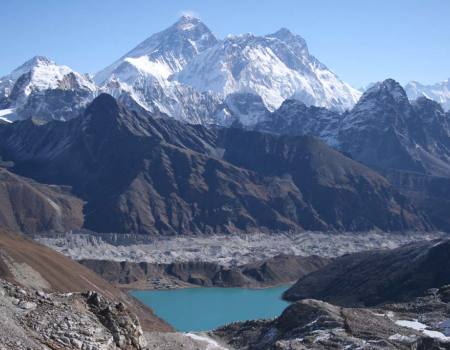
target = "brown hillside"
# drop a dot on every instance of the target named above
(28, 263)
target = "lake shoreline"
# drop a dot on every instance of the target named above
(204, 309)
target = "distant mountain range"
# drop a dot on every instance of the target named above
(439, 92)
(187, 73)
(160, 75)
(384, 130)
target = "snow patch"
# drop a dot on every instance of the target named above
(7, 115)
(211, 343)
(156, 68)
(418, 326)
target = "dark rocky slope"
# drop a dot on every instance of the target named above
(340, 193)
(409, 142)
(430, 194)
(31, 207)
(277, 270)
(380, 276)
(156, 176)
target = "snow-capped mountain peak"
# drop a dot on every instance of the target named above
(187, 22)
(41, 73)
(276, 67)
(43, 89)
(294, 41)
(166, 52)
(33, 62)
(37, 62)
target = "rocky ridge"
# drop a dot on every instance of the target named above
(32, 207)
(379, 276)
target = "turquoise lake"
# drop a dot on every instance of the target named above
(202, 309)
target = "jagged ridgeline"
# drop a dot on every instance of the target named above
(147, 175)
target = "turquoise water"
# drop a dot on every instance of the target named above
(201, 309)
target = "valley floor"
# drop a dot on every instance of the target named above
(226, 250)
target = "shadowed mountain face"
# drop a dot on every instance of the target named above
(376, 277)
(157, 176)
(409, 142)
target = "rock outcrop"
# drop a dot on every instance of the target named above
(33, 319)
(313, 324)
(30, 265)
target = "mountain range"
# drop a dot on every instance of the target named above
(140, 174)
(439, 92)
(176, 93)
(162, 74)
(383, 130)
(187, 73)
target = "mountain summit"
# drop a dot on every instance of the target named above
(43, 89)
(165, 52)
(187, 73)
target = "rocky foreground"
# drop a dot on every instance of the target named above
(38, 320)
(312, 324)
(33, 319)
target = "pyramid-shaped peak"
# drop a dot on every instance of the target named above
(283, 32)
(34, 62)
(294, 41)
(188, 22)
(103, 102)
(388, 86)
(40, 59)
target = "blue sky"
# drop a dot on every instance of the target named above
(361, 40)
